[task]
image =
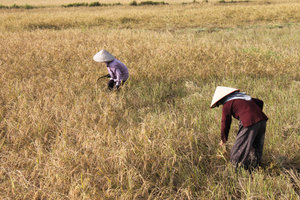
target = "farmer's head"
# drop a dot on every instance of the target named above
(219, 95)
(103, 57)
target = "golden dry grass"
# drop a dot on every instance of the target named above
(124, 2)
(64, 137)
(173, 17)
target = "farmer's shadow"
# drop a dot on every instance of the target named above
(277, 162)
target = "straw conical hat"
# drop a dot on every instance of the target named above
(103, 56)
(221, 92)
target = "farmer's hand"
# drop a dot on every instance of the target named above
(223, 147)
(222, 144)
(222, 152)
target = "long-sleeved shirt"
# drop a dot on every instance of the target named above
(248, 112)
(117, 71)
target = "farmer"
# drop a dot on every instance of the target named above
(118, 72)
(248, 147)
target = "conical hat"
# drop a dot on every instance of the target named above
(103, 56)
(221, 92)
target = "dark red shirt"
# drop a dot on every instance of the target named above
(248, 112)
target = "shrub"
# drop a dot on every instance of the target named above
(75, 5)
(14, 6)
(28, 6)
(134, 3)
(95, 4)
(3, 6)
(153, 3)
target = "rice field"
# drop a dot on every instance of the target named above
(63, 136)
(124, 2)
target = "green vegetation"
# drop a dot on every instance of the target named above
(85, 4)
(152, 3)
(92, 4)
(14, 6)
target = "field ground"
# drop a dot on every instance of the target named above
(62, 136)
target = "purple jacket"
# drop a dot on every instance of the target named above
(117, 71)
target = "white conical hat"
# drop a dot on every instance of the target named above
(103, 56)
(221, 92)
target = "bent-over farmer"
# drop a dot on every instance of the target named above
(118, 72)
(248, 147)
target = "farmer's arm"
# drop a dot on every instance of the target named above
(226, 121)
(118, 77)
(111, 74)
